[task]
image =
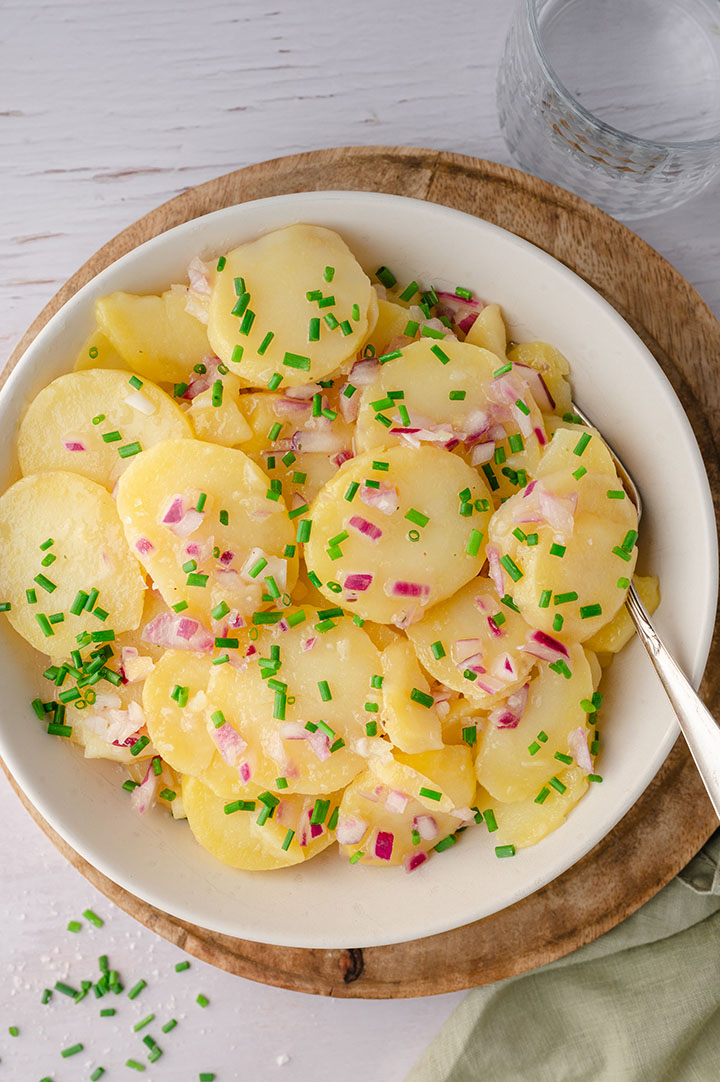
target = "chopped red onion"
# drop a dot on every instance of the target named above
(495, 569)
(544, 646)
(289, 407)
(495, 630)
(342, 456)
(385, 498)
(482, 453)
(142, 798)
(245, 771)
(463, 649)
(230, 744)
(164, 631)
(351, 829)
(578, 747)
(320, 744)
(357, 582)
(366, 528)
(305, 391)
(198, 276)
(187, 628)
(363, 372)
(317, 440)
(401, 588)
(144, 546)
(74, 445)
(509, 714)
(140, 402)
(538, 387)
(414, 860)
(426, 827)
(396, 802)
(349, 407)
(384, 844)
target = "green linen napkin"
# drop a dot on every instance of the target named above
(639, 1004)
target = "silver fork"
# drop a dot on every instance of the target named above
(699, 728)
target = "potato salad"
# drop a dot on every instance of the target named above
(318, 556)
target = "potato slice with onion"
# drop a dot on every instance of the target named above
(230, 838)
(59, 535)
(94, 422)
(393, 536)
(472, 644)
(516, 760)
(260, 313)
(299, 703)
(564, 549)
(214, 552)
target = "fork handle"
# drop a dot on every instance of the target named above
(701, 731)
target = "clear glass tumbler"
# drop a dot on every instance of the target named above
(617, 100)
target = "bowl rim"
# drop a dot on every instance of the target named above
(100, 860)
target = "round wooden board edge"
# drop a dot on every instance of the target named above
(660, 833)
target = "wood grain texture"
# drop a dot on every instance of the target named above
(673, 818)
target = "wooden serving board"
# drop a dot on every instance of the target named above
(673, 818)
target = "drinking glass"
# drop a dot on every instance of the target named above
(617, 100)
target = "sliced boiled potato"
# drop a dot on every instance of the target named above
(277, 271)
(165, 483)
(180, 733)
(89, 552)
(387, 824)
(289, 830)
(552, 366)
(156, 336)
(584, 554)
(488, 331)
(98, 352)
(478, 641)
(62, 431)
(391, 323)
(230, 838)
(512, 763)
(305, 452)
(225, 780)
(450, 770)
(392, 567)
(617, 633)
(561, 454)
(220, 419)
(426, 381)
(412, 723)
(328, 681)
(525, 822)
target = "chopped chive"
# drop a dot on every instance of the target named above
(411, 328)
(617, 551)
(422, 698)
(409, 291)
(296, 360)
(542, 795)
(616, 494)
(469, 734)
(586, 611)
(346, 327)
(439, 353)
(72, 1050)
(262, 349)
(490, 820)
(386, 276)
(582, 443)
(557, 784)
(101, 416)
(143, 1022)
(169, 1025)
(511, 567)
(431, 332)
(534, 748)
(457, 396)
(558, 622)
(562, 757)
(247, 321)
(502, 370)
(111, 437)
(438, 650)
(557, 550)
(430, 794)
(370, 727)
(522, 407)
(31, 597)
(579, 472)
(239, 284)
(202, 1000)
(392, 356)
(134, 1065)
(563, 599)
(499, 456)
(504, 850)
(356, 856)
(594, 777)
(371, 708)
(45, 625)
(326, 302)
(474, 541)
(325, 693)
(221, 263)
(623, 583)
(417, 517)
(74, 926)
(445, 843)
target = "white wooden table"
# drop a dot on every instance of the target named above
(106, 111)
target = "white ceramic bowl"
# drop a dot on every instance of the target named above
(328, 903)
